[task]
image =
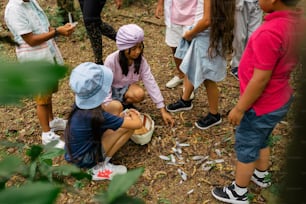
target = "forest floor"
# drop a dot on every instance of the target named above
(160, 182)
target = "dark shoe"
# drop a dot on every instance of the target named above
(180, 105)
(229, 195)
(234, 73)
(208, 121)
(129, 106)
(262, 182)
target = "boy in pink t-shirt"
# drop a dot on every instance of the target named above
(265, 94)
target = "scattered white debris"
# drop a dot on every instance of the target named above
(183, 145)
(182, 174)
(199, 157)
(189, 192)
(172, 158)
(283, 122)
(179, 150)
(219, 161)
(163, 157)
(206, 168)
(227, 139)
(218, 152)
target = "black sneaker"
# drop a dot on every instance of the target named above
(206, 122)
(234, 73)
(229, 195)
(180, 105)
(262, 182)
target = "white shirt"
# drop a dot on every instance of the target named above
(28, 17)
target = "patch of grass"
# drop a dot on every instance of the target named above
(273, 139)
(163, 201)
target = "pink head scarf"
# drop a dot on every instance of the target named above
(128, 36)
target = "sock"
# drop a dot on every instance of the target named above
(240, 190)
(107, 159)
(260, 174)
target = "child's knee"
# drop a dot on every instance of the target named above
(139, 94)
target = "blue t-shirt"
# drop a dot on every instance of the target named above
(81, 132)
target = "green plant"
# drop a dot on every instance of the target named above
(18, 81)
(42, 180)
(273, 139)
(116, 192)
(163, 201)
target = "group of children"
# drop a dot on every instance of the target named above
(98, 126)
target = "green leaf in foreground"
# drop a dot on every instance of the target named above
(119, 186)
(20, 80)
(34, 193)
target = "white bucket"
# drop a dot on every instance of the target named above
(148, 125)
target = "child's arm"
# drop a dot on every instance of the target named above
(253, 91)
(202, 24)
(37, 39)
(159, 9)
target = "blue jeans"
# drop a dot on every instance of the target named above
(253, 133)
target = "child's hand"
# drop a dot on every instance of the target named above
(159, 11)
(235, 116)
(130, 113)
(188, 35)
(167, 117)
(66, 29)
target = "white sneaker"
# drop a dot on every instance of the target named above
(174, 82)
(107, 172)
(50, 136)
(58, 124)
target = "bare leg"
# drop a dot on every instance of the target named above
(245, 171)
(112, 141)
(188, 89)
(50, 114)
(212, 95)
(262, 163)
(177, 63)
(43, 117)
(114, 107)
(134, 94)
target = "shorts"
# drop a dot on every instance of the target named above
(45, 99)
(88, 160)
(253, 133)
(118, 93)
(174, 33)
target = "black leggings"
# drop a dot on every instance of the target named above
(95, 27)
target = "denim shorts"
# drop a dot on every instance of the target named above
(88, 160)
(253, 133)
(118, 93)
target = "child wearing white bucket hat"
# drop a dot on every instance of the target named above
(93, 135)
(129, 68)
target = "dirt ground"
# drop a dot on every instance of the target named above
(161, 182)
